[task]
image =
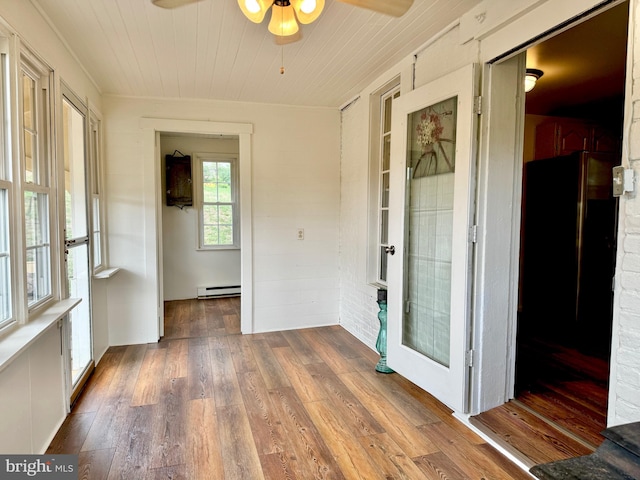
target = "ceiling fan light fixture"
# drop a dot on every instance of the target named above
(255, 10)
(531, 77)
(307, 11)
(283, 21)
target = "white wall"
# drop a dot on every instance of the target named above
(32, 397)
(295, 181)
(32, 385)
(185, 268)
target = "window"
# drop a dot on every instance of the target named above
(36, 181)
(95, 165)
(218, 202)
(6, 304)
(381, 107)
(6, 260)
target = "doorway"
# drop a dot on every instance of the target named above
(153, 128)
(201, 255)
(573, 128)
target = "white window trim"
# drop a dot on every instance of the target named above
(96, 172)
(34, 67)
(198, 159)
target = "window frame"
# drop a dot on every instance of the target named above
(199, 159)
(8, 306)
(97, 229)
(44, 183)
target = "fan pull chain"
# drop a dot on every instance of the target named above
(282, 61)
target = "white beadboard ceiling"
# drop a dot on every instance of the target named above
(210, 50)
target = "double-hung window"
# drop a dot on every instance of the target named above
(218, 201)
(95, 167)
(36, 189)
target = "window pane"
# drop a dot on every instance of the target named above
(29, 128)
(5, 290)
(97, 243)
(210, 192)
(29, 161)
(387, 115)
(28, 94)
(385, 190)
(209, 172)
(226, 235)
(35, 218)
(225, 215)
(38, 274)
(224, 172)
(210, 235)
(210, 213)
(5, 274)
(37, 243)
(224, 192)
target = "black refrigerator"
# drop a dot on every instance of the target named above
(569, 226)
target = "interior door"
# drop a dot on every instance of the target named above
(433, 151)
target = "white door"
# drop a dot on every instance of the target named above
(77, 248)
(433, 157)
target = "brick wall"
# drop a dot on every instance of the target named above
(624, 387)
(358, 308)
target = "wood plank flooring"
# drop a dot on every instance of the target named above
(209, 403)
(560, 407)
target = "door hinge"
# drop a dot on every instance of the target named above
(469, 358)
(477, 105)
(473, 234)
(407, 307)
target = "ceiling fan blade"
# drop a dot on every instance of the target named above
(172, 3)
(395, 8)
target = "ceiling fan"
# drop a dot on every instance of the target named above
(394, 8)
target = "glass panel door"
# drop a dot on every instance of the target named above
(433, 135)
(77, 242)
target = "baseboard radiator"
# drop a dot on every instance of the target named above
(216, 292)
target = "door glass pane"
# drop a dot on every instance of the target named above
(78, 285)
(429, 220)
(74, 172)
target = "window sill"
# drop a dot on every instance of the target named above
(221, 248)
(25, 335)
(106, 273)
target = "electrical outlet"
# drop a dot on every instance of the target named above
(301, 234)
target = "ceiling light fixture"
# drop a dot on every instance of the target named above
(284, 13)
(531, 77)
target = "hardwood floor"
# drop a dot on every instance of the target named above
(561, 398)
(209, 403)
